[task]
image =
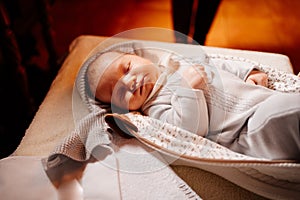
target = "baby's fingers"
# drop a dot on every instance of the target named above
(199, 68)
(249, 81)
(195, 77)
(258, 78)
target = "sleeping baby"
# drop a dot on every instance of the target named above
(232, 107)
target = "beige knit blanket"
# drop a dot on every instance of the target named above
(177, 146)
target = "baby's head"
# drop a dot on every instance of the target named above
(125, 80)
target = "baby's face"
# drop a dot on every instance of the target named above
(127, 81)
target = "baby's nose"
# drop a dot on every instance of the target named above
(130, 82)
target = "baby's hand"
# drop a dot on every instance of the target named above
(195, 77)
(257, 78)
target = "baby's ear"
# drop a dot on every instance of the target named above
(121, 124)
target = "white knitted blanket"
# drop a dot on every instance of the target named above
(282, 178)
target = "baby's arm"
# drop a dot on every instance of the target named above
(181, 105)
(246, 72)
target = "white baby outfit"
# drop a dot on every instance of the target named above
(249, 119)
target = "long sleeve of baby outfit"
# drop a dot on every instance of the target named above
(237, 68)
(183, 107)
(189, 110)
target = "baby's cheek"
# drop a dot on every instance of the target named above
(126, 101)
(135, 103)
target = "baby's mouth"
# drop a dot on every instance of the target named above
(141, 86)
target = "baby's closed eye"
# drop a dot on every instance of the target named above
(127, 67)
